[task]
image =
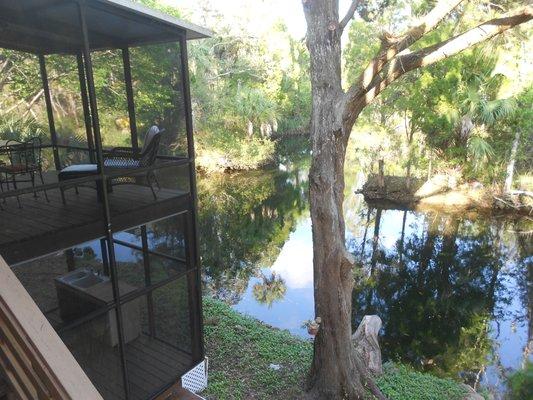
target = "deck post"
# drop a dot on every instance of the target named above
(49, 111)
(148, 281)
(86, 110)
(192, 230)
(105, 196)
(129, 95)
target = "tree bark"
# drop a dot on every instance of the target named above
(510, 166)
(337, 371)
(402, 238)
(409, 132)
(381, 174)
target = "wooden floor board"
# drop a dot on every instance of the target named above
(39, 225)
(147, 371)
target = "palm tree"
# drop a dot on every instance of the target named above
(271, 289)
(481, 110)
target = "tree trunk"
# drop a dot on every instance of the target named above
(366, 231)
(402, 237)
(381, 174)
(375, 239)
(510, 167)
(409, 132)
(337, 372)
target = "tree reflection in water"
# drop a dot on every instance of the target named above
(269, 289)
(455, 294)
(244, 220)
(442, 288)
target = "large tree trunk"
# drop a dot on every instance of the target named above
(337, 372)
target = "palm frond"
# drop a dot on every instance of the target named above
(479, 150)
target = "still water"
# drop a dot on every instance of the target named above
(455, 294)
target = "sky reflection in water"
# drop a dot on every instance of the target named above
(465, 280)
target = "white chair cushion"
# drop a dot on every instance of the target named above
(80, 168)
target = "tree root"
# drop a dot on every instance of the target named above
(368, 379)
(361, 386)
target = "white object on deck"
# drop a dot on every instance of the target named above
(196, 379)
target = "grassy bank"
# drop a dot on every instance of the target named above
(250, 360)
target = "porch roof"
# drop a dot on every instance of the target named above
(53, 26)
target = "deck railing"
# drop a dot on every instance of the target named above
(35, 362)
(163, 163)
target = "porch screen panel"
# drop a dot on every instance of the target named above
(94, 345)
(138, 270)
(167, 236)
(67, 105)
(150, 257)
(108, 72)
(73, 289)
(22, 106)
(158, 94)
(154, 192)
(158, 338)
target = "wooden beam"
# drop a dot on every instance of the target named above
(36, 362)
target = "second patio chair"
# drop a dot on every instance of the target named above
(25, 160)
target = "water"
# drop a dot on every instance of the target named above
(455, 294)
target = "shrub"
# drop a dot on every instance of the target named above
(521, 384)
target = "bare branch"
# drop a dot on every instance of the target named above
(432, 54)
(349, 15)
(392, 45)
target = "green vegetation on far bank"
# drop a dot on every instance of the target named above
(248, 359)
(521, 383)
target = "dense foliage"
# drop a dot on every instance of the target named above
(462, 114)
(521, 383)
(246, 91)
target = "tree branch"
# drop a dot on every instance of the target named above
(349, 15)
(435, 53)
(392, 45)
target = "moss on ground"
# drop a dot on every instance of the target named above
(242, 352)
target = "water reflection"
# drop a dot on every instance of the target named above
(244, 221)
(444, 288)
(455, 294)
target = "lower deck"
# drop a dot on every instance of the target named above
(150, 364)
(33, 226)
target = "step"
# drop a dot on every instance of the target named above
(177, 392)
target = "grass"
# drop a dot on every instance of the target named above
(403, 383)
(242, 351)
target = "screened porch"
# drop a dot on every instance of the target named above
(98, 191)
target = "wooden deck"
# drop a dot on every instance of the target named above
(41, 227)
(151, 364)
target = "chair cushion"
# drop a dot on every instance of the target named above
(77, 171)
(121, 163)
(150, 135)
(76, 168)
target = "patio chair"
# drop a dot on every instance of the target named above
(25, 159)
(122, 160)
(2, 183)
(127, 159)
